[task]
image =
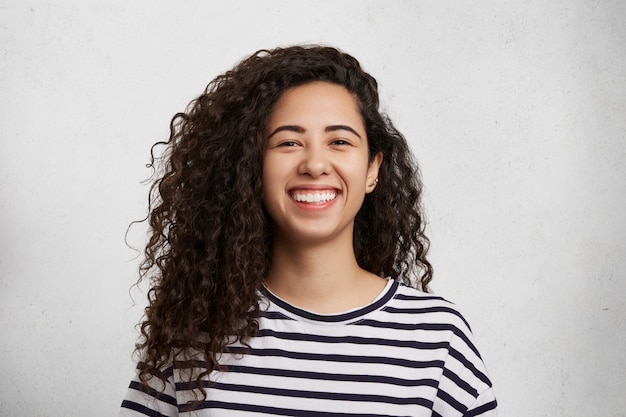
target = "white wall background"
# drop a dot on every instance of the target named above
(516, 111)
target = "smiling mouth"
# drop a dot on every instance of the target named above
(314, 198)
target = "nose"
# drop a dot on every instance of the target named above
(315, 162)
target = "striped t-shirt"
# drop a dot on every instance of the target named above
(408, 353)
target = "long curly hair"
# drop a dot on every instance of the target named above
(210, 240)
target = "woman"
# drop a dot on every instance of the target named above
(287, 258)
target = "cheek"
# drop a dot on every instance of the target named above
(359, 170)
(266, 172)
(270, 180)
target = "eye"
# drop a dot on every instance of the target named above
(340, 142)
(288, 143)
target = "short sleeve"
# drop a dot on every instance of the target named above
(157, 399)
(484, 406)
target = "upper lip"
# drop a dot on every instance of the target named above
(313, 187)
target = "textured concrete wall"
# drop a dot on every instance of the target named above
(516, 111)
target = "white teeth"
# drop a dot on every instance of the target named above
(315, 197)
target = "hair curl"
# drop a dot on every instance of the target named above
(210, 241)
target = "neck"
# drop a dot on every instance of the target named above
(324, 278)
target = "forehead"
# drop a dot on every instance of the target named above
(316, 100)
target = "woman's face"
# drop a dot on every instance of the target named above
(316, 167)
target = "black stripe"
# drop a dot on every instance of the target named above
(141, 409)
(138, 386)
(442, 327)
(357, 340)
(310, 375)
(482, 409)
(451, 401)
(275, 315)
(338, 358)
(330, 358)
(460, 382)
(406, 297)
(320, 395)
(166, 373)
(469, 365)
(284, 411)
(423, 310)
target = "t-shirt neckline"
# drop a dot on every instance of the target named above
(336, 318)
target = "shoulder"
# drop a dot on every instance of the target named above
(438, 319)
(426, 307)
(430, 317)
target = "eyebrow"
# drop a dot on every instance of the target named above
(300, 129)
(334, 128)
(288, 128)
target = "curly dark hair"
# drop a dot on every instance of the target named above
(210, 241)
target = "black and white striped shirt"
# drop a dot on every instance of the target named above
(406, 354)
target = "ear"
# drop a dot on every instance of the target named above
(372, 172)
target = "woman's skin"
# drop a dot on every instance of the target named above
(316, 172)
